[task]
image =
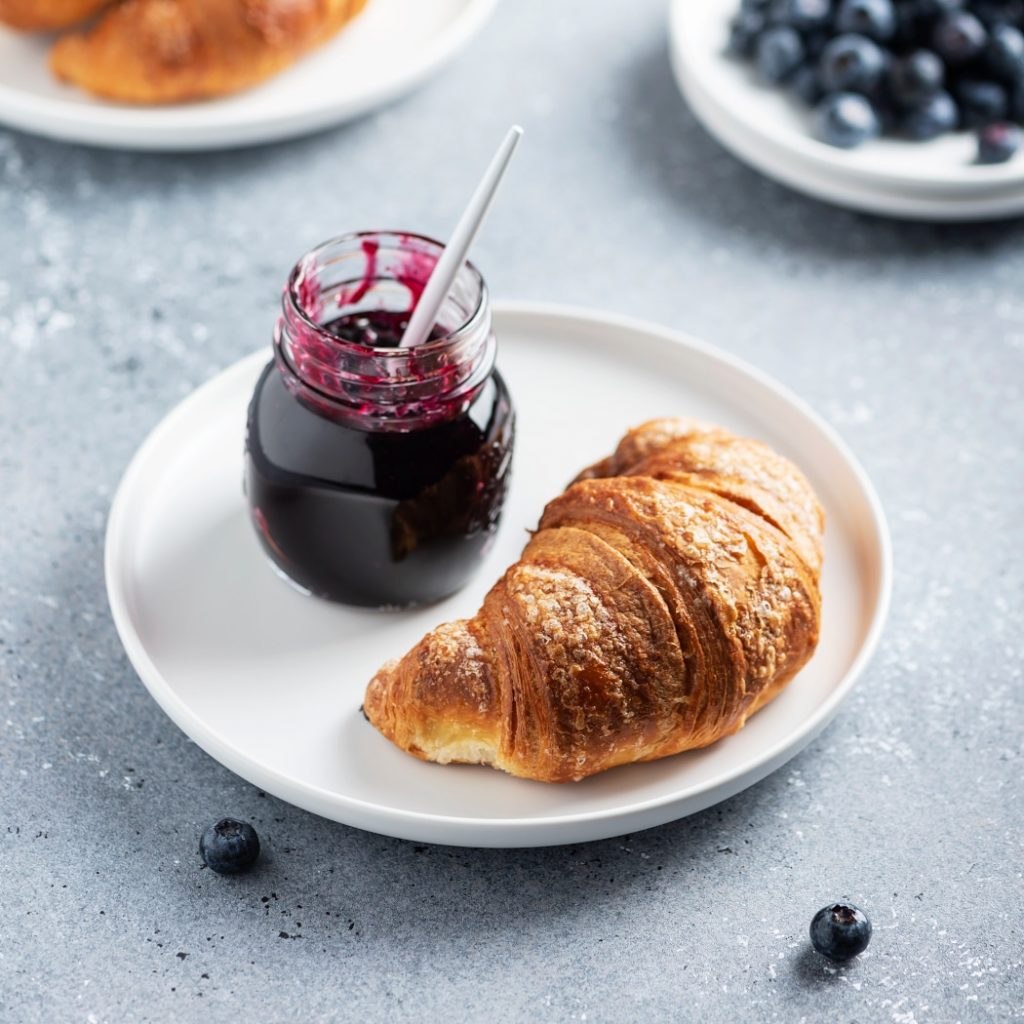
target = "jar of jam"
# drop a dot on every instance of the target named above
(375, 475)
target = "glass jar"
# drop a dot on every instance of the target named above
(375, 475)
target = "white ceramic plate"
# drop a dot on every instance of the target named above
(771, 122)
(389, 48)
(269, 681)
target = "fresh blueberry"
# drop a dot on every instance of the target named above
(997, 143)
(780, 51)
(801, 14)
(914, 77)
(840, 931)
(851, 63)
(1004, 55)
(875, 19)
(743, 32)
(846, 119)
(229, 847)
(959, 37)
(981, 103)
(933, 117)
(805, 84)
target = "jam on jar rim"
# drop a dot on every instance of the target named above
(375, 387)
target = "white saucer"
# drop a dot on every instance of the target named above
(391, 47)
(770, 130)
(269, 681)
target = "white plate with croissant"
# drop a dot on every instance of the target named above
(679, 626)
(211, 74)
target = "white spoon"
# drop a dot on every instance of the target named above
(442, 277)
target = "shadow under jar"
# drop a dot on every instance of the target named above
(375, 475)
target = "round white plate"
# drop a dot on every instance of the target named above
(771, 122)
(387, 50)
(270, 682)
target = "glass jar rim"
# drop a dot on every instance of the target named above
(428, 347)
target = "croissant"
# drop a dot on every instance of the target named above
(44, 15)
(166, 51)
(669, 593)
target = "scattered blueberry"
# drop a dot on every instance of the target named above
(851, 63)
(229, 847)
(998, 143)
(933, 117)
(915, 76)
(959, 37)
(840, 931)
(981, 103)
(875, 19)
(779, 52)
(1004, 55)
(846, 119)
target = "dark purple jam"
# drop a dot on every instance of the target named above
(382, 328)
(375, 517)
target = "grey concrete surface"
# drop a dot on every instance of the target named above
(126, 280)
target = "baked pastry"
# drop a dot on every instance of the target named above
(47, 15)
(168, 51)
(669, 593)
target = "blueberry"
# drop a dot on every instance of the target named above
(959, 37)
(846, 119)
(1004, 55)
(840, 931)
(779, 52)
(981, 103)
(851, 63)
(743, 32)
(229, 847)
(914, 77)
(801, 14)
(806, 85)
(875, 19)
(934, 116)
(997, 143)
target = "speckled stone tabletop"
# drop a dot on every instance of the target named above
(126, 280)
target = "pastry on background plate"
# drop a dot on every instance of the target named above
(47, 15)
(669, 593)
(170, 51)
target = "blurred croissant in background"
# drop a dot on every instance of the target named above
(45, 15)
(169, 51)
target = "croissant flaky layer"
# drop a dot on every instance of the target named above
(167, 51)
(669, 593)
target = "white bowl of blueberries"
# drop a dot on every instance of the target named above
(909, 107)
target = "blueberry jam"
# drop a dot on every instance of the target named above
(375, 475)
(380, 329)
